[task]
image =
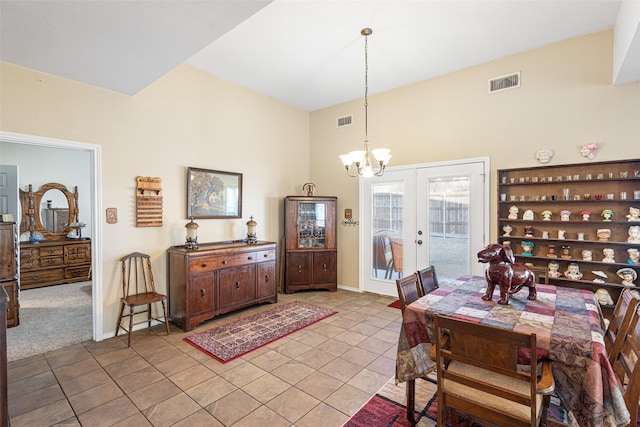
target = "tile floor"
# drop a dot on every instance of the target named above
(317, 376)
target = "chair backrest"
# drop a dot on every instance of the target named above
(427, 280)
(620, 321)
(625, 365)
(478, 372)
(541, 274)
(137, 277)
(407, 290)
(396, 252)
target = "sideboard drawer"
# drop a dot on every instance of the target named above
(237, 259)
(52, 261)
(200, 265)
(265, 256)
(34, 277)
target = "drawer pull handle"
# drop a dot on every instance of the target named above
(202, 293)
(237, 286)
(36, 277)
(324, 267)
(52, 261)
(51, 251)
(79, 271)
(225, 262)
(265, 255)
(203, 265)
(299, 268)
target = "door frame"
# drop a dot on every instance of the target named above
(486, 209)
(95, 154)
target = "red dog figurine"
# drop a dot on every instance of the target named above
(503, 271)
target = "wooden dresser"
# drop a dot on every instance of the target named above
(53, 262)
(9, 271)
(218, 278)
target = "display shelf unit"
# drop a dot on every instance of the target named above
(589, 209)
(311, 255)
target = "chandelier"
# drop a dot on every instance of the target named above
(362, 161)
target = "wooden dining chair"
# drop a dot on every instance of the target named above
(407, 290)
(620, 321)
(626, 367)
(396, 253)
(479, 376)
(138, 290)
(427, 280)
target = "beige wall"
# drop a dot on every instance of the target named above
(186, 118)
(189, 118)
(566, 99)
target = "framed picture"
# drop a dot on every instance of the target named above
(213, 194)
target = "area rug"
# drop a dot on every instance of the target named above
(232, 340)
(395, 304)
(387, 409)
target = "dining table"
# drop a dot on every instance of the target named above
(569, 331)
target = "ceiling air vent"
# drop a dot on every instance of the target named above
(344, 121)
(504, 82)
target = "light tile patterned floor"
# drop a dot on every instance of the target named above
(318, 376)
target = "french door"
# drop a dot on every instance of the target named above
(411, 217)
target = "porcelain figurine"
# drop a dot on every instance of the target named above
(634, 214)
(546, 215)
(507, 228)
(527, 248)
(607, 215)
(553, 269)
(561, 234)
(566, 252)
(587, 255)
(573, 272)
(565, 215)
(551, 251)
(603, 234)
(513, 212)
(604, 297)
(600, 276)
(589, 150)
(608, 255)
(634, 256)
(634, 234)
(528, 215)
(628, 276)
(586, 215)
(543, 155)
(528, 231)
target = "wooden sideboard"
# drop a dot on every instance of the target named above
(53, 262)
(9, 272)
(218, 278)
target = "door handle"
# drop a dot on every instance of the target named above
(419, 242)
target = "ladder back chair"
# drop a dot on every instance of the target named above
(139, 293)
(620, 321)
(479, 376)
(427, 280)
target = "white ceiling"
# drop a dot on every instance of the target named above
(309, 54)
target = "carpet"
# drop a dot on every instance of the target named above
(395, 304)
(51, 318)
(232, 340)
(387, 409)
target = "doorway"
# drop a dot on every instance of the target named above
(94, 152)
(419, 215)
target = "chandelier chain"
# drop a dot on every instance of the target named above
(366, 88)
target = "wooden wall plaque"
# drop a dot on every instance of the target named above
(148, 202)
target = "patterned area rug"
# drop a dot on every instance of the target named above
(387, 407)
(234, 339)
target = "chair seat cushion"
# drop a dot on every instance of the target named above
(468, 393)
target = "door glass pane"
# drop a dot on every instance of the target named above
(387, 230)
(449, 226)
(311, 225)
